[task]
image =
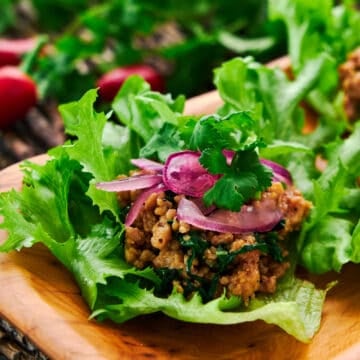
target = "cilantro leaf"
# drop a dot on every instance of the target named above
(235, 131)
(243, 176)
(214, 160)
(241, 182)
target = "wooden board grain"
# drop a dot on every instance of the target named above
(39, 296)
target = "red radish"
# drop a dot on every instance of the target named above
(110, 83)
(12, 50)
(17, 95)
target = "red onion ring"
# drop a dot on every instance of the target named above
(183, 174)
(206, 210)
(139, 203)
(248, 219)
(229, 154)
(146, 164)
(130, 183)
(280, 173)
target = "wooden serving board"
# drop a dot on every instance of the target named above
(39, 296)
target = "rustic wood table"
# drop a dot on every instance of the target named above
(40, 130)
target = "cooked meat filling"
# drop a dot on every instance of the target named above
(199, 259)
(350, 84)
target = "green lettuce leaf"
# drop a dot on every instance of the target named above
(269, 95)
(81, 227)
(355, 243)
(166, 141)
(328, 245)
(96, 258)
(329, 238)
(295, 307)
(42, 208)
(87, 126)
(314, 28)
(55, 210)
(145, 111)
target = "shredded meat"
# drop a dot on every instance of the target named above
(153, 240)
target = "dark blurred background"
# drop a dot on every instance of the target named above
(181, 41)
(184, 40)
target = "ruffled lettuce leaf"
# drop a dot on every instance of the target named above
(87, 126)
(314, 28)
(270, 96)
(45, 188)
(83, 230)
(355, 256)
(145, 111)
(329, 238)
(54, 209)
(295, 307)
(96, 258)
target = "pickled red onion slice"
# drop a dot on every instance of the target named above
(139, 203)
(146, 164)
(183, 174)
(131, 183)
(261, 218)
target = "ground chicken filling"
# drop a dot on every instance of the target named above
(350, 83)
(210, 262)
